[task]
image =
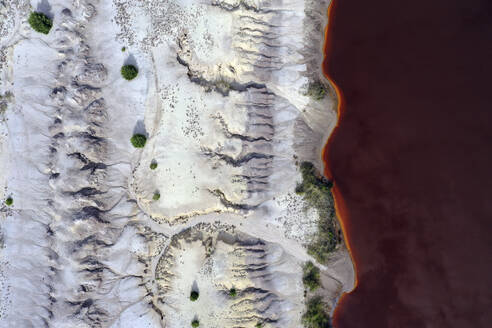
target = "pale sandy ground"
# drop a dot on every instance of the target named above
(220, 96)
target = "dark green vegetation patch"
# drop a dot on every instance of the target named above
(195, 323)
(316, 316)
(316, 191)
(138, 140)
(310, 276)
(156, 196)
(316, 90)
(153, 165)
(194, 296)
(232, 292)
(9, 201)
(129, 72)
(40, 22)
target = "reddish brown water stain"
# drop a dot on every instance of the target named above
(411, 159)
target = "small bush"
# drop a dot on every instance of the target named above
(194, 296)
(259, 325)
(232, 292)
(222, 86)
(310, 276)
(153, 165)
(129, 72)
(195, 323)
(123, 49)
(138, 140)
(40, 22)
(316, 316)
(9, 201)
(156, 196)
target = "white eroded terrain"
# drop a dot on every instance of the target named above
(221, 95)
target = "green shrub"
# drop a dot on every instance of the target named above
(232, 292)
(138, 140)
(310, 276)
(316, 316)
(195, 323)
(9, 201)
(259, 325)
(129, 72)
(123, 49)
(194, 296)
(40, 22)
(316, 90)
(223, 86)
(316, 191)
(156, 196)
(153, 165)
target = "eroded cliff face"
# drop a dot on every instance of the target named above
(224, 97)
(240, 279)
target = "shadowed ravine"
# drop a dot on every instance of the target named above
(410, 159)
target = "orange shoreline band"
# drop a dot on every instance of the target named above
(340, 208)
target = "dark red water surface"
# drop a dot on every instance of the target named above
(412, 160)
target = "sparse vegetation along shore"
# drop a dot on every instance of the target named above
(310, 276)
(315, 315)
(316, 90)
(40, 22)
(316, 190)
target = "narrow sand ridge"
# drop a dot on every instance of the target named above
(224, 95)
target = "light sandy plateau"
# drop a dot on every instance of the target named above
(223, 97)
